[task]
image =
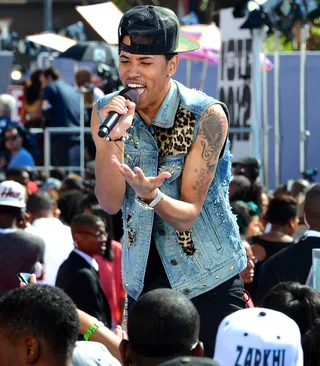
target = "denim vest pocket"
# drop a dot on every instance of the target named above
(209, 226)
(174, 165)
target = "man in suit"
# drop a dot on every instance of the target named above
(78, 275)
(294, 263)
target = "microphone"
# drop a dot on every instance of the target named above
(113, 117)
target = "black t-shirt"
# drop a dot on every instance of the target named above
(19, 252)
(155, 276)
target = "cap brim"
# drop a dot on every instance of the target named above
(13, 204)
(187, 44)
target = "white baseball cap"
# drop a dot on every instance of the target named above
(12, 194)
(258, 336)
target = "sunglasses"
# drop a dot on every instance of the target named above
(11, 138)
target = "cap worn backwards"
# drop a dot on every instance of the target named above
(258, 337)
(153, 30)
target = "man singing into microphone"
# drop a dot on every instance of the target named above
(167, 164)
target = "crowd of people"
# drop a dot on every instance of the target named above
(166, 252)
(48, 102)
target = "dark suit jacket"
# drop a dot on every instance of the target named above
(290, 264)
(81, 282)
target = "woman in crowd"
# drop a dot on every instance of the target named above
(283, 217)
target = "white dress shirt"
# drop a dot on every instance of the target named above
(312, 233)
(93, 263)
(58, 245)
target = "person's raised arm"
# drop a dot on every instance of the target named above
(102, 335)
(198, 173)
(110, 185)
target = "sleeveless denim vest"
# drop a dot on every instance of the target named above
(211, 252)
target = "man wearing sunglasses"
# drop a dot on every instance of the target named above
(17, 155)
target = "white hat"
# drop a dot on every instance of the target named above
(258, 336)
(12, 194)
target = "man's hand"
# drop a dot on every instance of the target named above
(32, 280)
(145, 187)
(119, 332)
(122, 106)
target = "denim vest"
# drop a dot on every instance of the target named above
(211, 252)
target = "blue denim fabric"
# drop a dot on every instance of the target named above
(219, 253)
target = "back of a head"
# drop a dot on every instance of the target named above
(40, 201)
(42, 312)
(300, 303)
(7, 104)
(312, 206)
(282, 208)
(239, 187)
(51, 72)
(258, 336)
(241, 210)
(194, 361)
(311, 346)
(70, 204)
(163, 323)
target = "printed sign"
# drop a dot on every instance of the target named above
(235, 79)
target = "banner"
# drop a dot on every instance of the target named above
(235, 79)
(17, 91)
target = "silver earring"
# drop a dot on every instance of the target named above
(169, 75)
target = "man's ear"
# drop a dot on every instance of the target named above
(198, 351)
(125, 351)
(31, 350)
(173, 65)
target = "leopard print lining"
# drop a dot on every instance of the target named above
(186, 243)
(177, 139)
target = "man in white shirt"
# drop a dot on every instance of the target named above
(78, 275)
(57, 237)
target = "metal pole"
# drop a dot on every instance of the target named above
(47, 15)
(47, 151)
(189, 71)
(277, 137)
(82, 152)
(265, 111)
(303, 59)
(257, 94)
(203, 75)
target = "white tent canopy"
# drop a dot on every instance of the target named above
(104, 19)
(51, 40)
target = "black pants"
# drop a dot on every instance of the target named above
(213, 306)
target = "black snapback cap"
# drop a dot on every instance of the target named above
(153, 30)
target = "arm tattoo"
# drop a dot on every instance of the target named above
(201, 183)
(211, 130)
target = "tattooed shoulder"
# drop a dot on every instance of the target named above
(212, 132)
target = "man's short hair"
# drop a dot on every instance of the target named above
(312, 203)
(163, 323)
(12, 128)
(85, 220)
(40, 201)
(40, 311)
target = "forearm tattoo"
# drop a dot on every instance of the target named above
(212, 132)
